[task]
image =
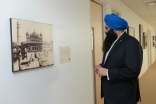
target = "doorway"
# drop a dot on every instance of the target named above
(97, 32)
(149, 47)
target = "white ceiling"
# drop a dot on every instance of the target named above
(140, 7)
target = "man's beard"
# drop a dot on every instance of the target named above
(111, 36)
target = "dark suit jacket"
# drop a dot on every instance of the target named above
(124, 64)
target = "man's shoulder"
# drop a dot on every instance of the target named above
(132, 42)
(132, 39)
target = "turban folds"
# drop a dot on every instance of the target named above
(115, 22)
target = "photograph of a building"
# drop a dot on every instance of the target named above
(32, 45)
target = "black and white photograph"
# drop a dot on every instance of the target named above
(155, 41)
(32, 44)
(141, 34)
(144, 40)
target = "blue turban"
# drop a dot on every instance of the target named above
(115, 22)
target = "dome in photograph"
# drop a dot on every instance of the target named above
(27, 34)
(34, 33)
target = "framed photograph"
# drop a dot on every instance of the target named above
(153, 40)
(141, 34)
(144, 40)
(31, 43)
(131, 31)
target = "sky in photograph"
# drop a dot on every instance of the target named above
(30, 27)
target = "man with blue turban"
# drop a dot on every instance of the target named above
(121, 64)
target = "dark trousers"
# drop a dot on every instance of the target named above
(105, 102)
(108, 103)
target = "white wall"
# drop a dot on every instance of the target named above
(134, 20)
(70, 83)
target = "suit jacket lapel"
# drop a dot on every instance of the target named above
(104, 55)
(117, 43)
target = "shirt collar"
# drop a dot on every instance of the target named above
(118, 37)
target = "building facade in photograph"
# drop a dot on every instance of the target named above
(34, 41)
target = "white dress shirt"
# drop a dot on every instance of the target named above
(108, 53)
